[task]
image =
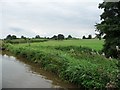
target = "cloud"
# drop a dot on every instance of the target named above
(64, 1)
(47, 18)
(16, 29)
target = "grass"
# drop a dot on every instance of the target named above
(91, 43)
(71, 61)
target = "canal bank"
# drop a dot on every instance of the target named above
(19, 73)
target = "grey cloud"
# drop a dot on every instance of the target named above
(16, 29)
(50, 17)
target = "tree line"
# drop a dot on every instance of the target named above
(54, 37)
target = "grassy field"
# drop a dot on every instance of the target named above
(91, 43)
(82, 66)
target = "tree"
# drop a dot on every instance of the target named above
(110, 26)
(60, 36)
(14, 37)
(89, 36)
(54, 37)
(37, 36)
(23, 37)
(98, 36)
(69, 37)
(83, 37)
(9, 37)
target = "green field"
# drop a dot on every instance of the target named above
(91, 43)
(75, 61)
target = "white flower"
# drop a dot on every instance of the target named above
(117, 47)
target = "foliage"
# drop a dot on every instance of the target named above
(69, 37)
(10, 37)
(83, 37)
(89, 36)
(23, 37)
(110, 26)
(54, 37)
(37, 36)
(60, 37)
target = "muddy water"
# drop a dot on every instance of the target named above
(19, 73)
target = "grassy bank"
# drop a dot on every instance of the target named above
(71, 62)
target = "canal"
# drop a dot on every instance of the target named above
(19, 73)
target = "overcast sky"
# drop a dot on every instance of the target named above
(49, 17)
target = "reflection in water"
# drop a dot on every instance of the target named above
(19, 73)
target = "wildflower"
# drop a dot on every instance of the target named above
(110, 58)
(103, 54)
(117, 47)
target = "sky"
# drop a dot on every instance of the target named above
(49, 17)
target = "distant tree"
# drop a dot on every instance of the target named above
(14, 37)
(83, 37)
(23, 37)
(37, 36)
(47, 38)
(60, 37)
(9, 37)
(89, 36)
(69, 37)
(54, 37)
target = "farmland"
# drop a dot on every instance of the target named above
(91, 43)
(74, 61)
